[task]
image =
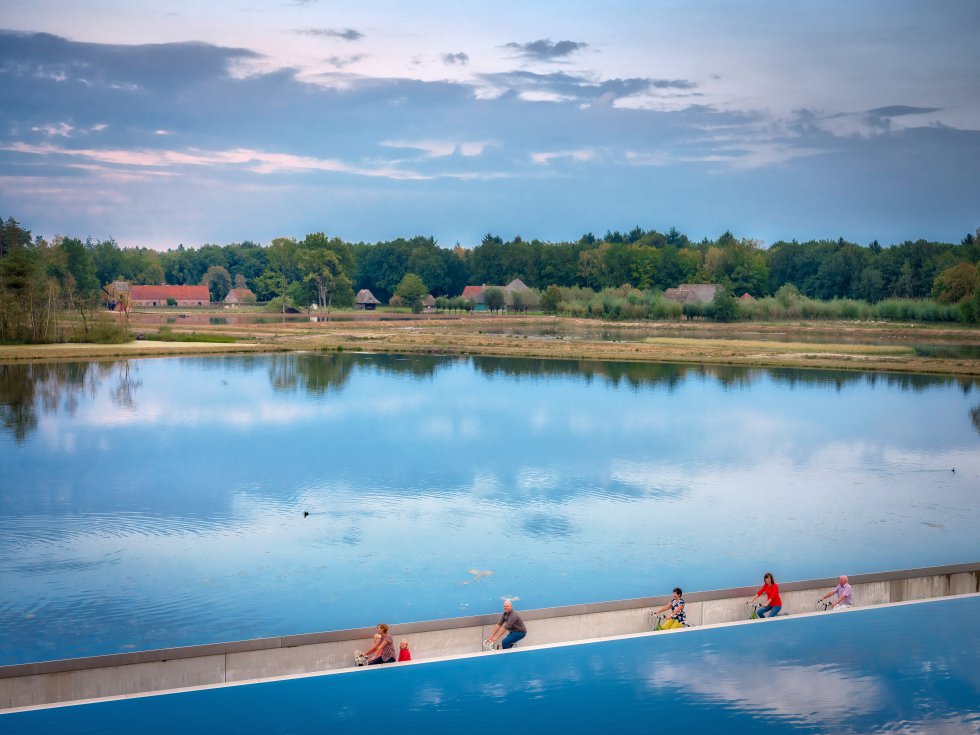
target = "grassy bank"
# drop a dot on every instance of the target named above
(853, 346)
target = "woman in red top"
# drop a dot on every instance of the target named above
(773, 602)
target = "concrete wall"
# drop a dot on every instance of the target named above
(27, 685)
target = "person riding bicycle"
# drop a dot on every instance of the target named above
(383, 651)
(511, 622)
(845, 595)
(676, 607)
(774, 602)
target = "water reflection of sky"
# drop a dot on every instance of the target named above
(160, 502)
(880, 670)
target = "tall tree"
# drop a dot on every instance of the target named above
(411, 291)
(323, 268)
(218, 281)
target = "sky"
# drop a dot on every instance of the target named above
(166, 122)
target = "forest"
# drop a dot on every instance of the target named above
(38, 278)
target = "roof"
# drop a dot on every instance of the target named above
(517, 285)
(364, 296)
(747, 297)
(471, 292)
(240, 294)
(429, 300)
(162, 293)
(688, 293)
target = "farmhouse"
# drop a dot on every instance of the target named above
(164, 295)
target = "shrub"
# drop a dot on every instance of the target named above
(107, 331)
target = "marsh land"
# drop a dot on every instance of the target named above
(899, 347)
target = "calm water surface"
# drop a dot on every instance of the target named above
(880, 671)
(161, 502)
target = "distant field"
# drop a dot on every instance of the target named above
(838, 345)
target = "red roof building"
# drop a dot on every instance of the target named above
(471, 292)
(161, 295)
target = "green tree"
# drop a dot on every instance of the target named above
(78, 263)
(107, 260)
(272, 285)
(282, 259)
(724, 306)
(494, 299)
(218, 281)
(904, 286)
(870, 285)
(411, 290)
(551, 299)
(955, 284)
(323, 268)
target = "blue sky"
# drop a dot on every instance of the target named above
(160, 123)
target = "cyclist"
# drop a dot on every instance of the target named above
(845, 595)
(773, 601)
(676, 607)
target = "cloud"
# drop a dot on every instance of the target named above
(565, 87)
(458, 58)
(880, 118)
(579, 155)
(59, 129)
(339, 62)
(877, 121)
(66, 130)
(347, 34)
(544, 50)
(260, 162)
(899, 110)
(439, 148)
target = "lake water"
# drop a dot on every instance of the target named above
(161, 502)
(906, 669)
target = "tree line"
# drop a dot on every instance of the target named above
(36, 276)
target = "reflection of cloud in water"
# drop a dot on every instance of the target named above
(538, 419)
(261, 413)
(654, 479)
(440, 428)
(428, 697)
(536, 478)
(166, 414)
(583, 425)
(546, 526)
(818, 695)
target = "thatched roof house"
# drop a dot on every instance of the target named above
(240, 296)
(365, 300)
(475, 294)
(692, 293)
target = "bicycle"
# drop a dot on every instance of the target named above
(754, 612)
(656, 621)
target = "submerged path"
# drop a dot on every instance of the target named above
(116, 676)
